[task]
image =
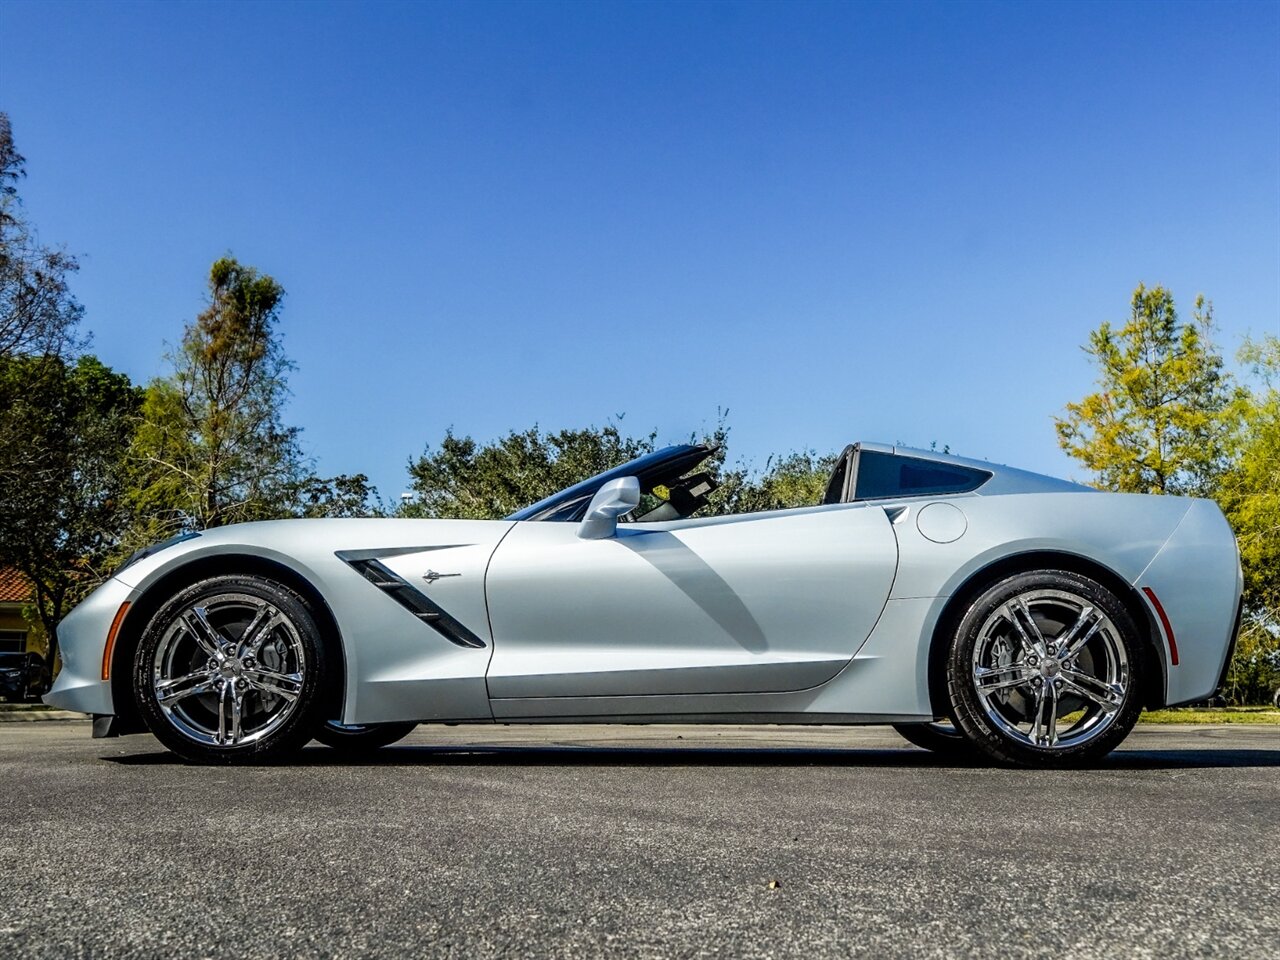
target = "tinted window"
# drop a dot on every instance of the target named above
(881, 475)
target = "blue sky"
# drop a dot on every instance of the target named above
(853, 221)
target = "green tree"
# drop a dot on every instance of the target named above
(340, 496)
(38, 315)
(212, 447)
(1161, 420)
(1250, 497)
(1168, 418)
(64, 432)
(470, 480)
(793, 480)
(466, 479)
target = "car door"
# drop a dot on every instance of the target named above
(761, 602)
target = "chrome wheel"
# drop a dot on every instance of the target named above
(228, 670)
(1050, 669)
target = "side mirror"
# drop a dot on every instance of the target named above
(615, 499)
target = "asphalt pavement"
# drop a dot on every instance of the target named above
(621, 841)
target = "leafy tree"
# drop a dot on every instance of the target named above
(463, 478)
(1162, 418)
(793, 480)
(1169, 419)
(466, 479)
(341, 496)
(38, 315)
(1250, 496)
(64, 432)
(212, 447)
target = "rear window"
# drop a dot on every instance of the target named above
(882, 475)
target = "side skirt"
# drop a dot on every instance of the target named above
(774, 719)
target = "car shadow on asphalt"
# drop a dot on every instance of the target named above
(506, 755)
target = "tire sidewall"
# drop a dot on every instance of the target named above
(967, 709)
(951, 744)
(369, 737)
(300, 725)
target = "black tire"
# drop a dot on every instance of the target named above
(356, 739)
(283, 683)
(1025, 687)
(940, 738)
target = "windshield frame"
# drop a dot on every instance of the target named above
(665, 465)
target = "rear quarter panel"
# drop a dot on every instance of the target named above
(1197, 577)
(1182, 548)
(1122, 532)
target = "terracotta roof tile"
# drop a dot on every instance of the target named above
(14, 587)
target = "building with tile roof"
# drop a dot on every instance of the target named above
(17, 635)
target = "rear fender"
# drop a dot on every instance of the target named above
(1196, 580)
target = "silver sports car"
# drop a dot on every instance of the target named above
(979, 609)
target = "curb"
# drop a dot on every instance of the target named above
(34, 713)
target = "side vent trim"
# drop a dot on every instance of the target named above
(403, 593)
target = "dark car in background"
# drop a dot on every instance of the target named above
(23, 677)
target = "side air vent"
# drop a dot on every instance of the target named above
(422, 607)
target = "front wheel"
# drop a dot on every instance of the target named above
(358, 738)
(1046, 670)
(232, 669)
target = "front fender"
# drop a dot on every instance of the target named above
(396, 668)
(82, 641)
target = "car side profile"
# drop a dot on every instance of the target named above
(980, 609)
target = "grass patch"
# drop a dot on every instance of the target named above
(1212, 715)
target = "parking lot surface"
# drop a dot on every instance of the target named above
(658, 841)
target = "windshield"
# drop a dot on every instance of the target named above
(658, 473)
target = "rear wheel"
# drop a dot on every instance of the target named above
(1045, 670)
(357, 738)
(232, 670)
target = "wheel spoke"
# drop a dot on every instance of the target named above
(987, 682)
(1032, 640)
(203, 632)
(265, 632)
(1034, 628)
(287, 685)
(1044, 727)
(1051, 711)
(179, 688)
(1037, 715)
(248, 639)
(222, 713)
(237, 707)
(1080, 633)
(1108, 696)
(981, 672)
